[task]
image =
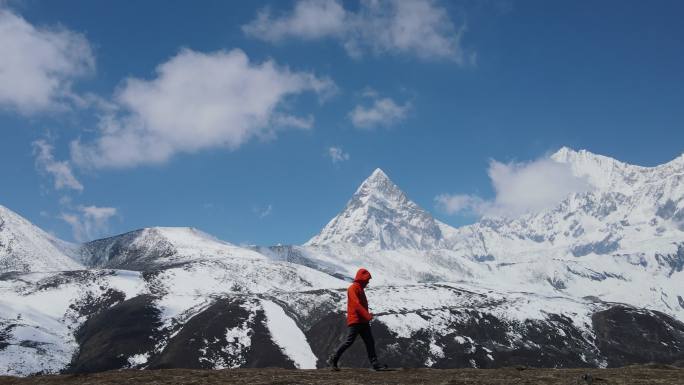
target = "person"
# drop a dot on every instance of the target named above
(358, 321)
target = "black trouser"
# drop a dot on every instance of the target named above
(354, 330)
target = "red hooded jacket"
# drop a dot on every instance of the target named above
(357, 304)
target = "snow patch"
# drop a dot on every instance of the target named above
(403, 325)
(239, 341)
(138, 359)
(287, 335)
(436, 351)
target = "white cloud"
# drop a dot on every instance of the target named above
(520, 188)
(417, 27)
(60, 170)
(310, 19)
(337, 154)
(263, 212)
(383, 112)
(39, 64)
(197, 101)
(89, 222)
(456, 203)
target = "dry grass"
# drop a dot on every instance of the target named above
(653, 374)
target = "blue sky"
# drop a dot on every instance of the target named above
(222, 115)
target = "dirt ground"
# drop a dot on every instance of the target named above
(630, 375)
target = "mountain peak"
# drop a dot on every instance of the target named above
(376, 180)
(158, 247)
(569, 155)
(563, 153)
(582, 161)
(379, 215)
(609, 174)
(25, 247)
(377, 174)
(379, 184)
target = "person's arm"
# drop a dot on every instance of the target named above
(356, 304)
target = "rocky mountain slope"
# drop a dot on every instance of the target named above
(99, 320)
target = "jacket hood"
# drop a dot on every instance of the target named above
(362, 276)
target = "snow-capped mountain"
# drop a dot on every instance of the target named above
(176, 297)
(629, 203)
(609, 174)
(383, 230)
(157, 247)
(596, 280)
(25, 247)
(625, 232)
(380, 216)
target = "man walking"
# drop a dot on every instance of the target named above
(358, 321)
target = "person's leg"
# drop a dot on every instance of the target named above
(353, 331)
(368, 340)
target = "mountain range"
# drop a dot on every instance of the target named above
(596, 280)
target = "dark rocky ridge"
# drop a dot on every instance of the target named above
(188, 348)
(108, 338)
(633, 336)
(541, 345)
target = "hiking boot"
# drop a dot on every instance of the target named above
(377, 366)
(332, 363)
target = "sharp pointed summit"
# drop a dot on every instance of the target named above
(377, 175)
(379, 185)
(379, 215)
